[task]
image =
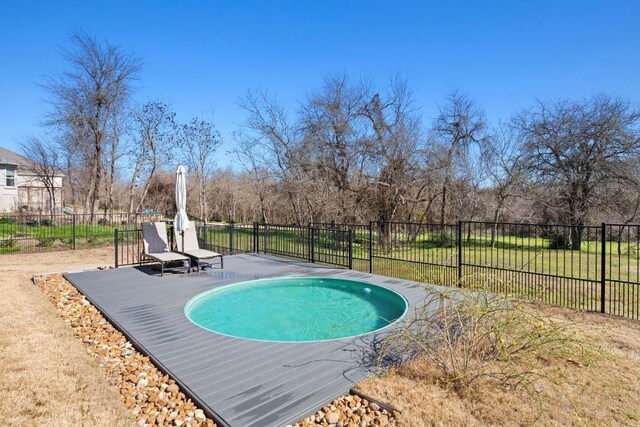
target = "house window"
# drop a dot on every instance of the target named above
(11, 178)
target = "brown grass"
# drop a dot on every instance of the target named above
(603, 392)
(46, 378)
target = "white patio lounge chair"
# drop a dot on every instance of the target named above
(156, 245)
(192, 248)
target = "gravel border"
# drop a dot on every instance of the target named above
(153, 397)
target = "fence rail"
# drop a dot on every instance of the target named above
(594, 268)
(28, 233)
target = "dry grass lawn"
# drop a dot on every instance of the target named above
(604, 392)
(46, 377)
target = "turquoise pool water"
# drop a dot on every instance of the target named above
(296, 309)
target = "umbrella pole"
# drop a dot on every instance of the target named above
(182, 234)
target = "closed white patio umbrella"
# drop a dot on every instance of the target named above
(181, 222)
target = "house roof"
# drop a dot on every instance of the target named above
(10, 158)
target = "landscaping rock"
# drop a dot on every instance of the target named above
(153, 398)
(332, 417)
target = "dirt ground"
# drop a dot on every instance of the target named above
(603, 392)
(46, 378)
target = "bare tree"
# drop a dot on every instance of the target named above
(390, 154)
(153, 139)
(392, 148)
(162, 190)
(578, 147)
(45, 164)
(199, 141)
(87, 101)
(502, 159)
(269, 144)
(334, 140)
(459, 124)
(113, 154)
(254, 162)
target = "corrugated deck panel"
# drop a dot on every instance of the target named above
(241, 382)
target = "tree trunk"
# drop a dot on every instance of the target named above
(88, 202)
(94, 203)
(576, 236)
(443, 208)
(294, 206)
(494, 228)
(132, 186)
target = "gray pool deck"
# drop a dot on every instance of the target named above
(240, 383)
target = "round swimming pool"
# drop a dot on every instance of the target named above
(296, 309)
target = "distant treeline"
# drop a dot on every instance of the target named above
(350, 151)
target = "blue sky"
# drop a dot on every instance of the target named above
(201, 56)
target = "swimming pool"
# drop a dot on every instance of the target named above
(296, 309)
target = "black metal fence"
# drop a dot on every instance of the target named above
(28, 233)
(594, 268)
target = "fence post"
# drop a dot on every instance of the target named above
(115, 241)
(74, 232)
(231, 229)
(350, 235)
(603, 268)
(309, 241)
(264, 238)
(460, 254)
(371, 247)
(255, 236)
(206, 232)
(312, 251)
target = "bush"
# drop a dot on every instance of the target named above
(441, 240)
(468, 336)
(6, 220)
(46, 242)
(8, 250)
(559, 241)
(8, 243)
(46, 222)
(92, 240)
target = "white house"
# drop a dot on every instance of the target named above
(22, 189)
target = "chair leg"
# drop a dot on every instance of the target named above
(221, 262)
(198, 266)
(161, 269)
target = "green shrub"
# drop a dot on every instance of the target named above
(8, 243)
(46, 242)
(441, 240)
(559, 241)
(6, 220)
